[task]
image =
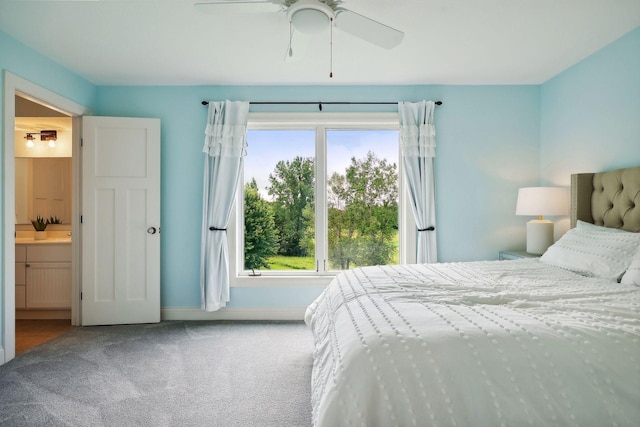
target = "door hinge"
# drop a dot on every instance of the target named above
(81, 142)
(80, 296)
(80, 219)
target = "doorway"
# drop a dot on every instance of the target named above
(43, 165)
(34, 332)
(17, 86)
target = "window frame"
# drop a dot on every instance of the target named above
(320, 122)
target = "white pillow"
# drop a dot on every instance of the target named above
(594, 252)
(632, 276)
(592, 227)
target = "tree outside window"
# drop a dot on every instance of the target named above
(359, 223)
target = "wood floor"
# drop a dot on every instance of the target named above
(30, 333)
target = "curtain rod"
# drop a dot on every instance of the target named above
(320, 103)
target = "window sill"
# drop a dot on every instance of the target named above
(271, 280)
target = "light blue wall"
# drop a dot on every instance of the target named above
(22, 61)
(491, 141)
(487, 148)
(590, 118)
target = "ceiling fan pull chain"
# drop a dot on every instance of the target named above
(331, 50)
(290, 52)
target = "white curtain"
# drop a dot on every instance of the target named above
(224, 148)
(418, 145)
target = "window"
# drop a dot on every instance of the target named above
(362, 198)
(279, 200)
(319, 193)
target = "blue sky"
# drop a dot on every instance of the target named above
(267, 147)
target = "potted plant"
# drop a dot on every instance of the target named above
(40, 225)
(53, 219)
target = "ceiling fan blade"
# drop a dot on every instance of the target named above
(298, 47)
(238, 6)
(369, 30)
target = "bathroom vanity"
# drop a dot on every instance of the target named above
(43, 278)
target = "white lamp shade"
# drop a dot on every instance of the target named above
(537, 201)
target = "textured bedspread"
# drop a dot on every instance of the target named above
(511, 343)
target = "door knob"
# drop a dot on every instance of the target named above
(151, 230)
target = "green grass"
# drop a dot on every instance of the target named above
(281, 262)
(292, 263)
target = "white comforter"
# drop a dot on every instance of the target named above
(512, 343)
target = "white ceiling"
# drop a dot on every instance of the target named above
(171, 42)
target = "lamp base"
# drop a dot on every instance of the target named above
(539, 236)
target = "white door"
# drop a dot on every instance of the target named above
(120, 220)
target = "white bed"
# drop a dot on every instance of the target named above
(511, 343)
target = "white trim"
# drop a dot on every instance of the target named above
(320, 200)
(232, 313)
(320, 122)
(15, 85)
(76, 230)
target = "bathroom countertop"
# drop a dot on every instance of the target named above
(49, 241)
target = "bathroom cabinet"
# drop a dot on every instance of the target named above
(21, 259)
(43, 276)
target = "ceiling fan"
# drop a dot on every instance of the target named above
(312, 16)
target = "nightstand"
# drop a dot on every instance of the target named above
(516, 255)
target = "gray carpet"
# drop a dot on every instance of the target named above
(167, 374)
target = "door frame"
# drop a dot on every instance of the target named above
(15, 85)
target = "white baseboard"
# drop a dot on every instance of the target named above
(2, 361)
(233, 314)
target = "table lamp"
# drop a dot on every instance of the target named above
(539, 201)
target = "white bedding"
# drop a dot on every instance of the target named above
(511, 343)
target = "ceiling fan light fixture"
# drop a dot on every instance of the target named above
(310, 16)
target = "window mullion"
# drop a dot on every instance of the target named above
(321, 199)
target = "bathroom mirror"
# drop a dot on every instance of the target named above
(43, 187)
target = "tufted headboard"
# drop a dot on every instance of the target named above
(610, 199)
